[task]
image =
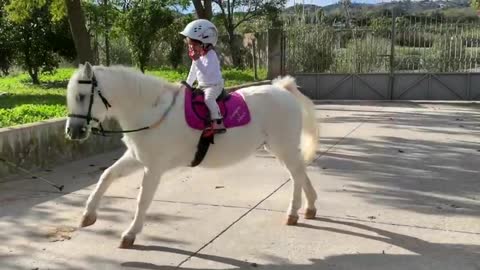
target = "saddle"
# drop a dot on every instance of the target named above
(232, 106)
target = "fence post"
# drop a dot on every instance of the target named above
(392, 54)
(254, 54)
(274, 53)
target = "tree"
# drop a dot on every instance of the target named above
(32, 37)
(7, 45)
(36, 39)
(141, 25)
(79, 31)
(203, 10)
(475, 4)
(171, 36)
(107, 24)
(236, 12)
(19, 10)
(61, 41)
(100, 16)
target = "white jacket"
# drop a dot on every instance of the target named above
(206, 70)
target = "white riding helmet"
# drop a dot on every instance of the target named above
(201, 30)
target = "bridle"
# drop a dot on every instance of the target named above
(101, 131)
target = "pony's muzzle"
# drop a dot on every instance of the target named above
(76, 130)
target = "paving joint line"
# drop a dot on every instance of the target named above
(232, 224)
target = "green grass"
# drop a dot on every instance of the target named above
(22, 102)
(232, 77)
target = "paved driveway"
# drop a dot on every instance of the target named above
(398, 185)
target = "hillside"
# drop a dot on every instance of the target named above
(409, 7)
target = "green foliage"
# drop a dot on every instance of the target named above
(39, 41)
(100, 17)
(447, 54)
(363, 55)
(409, 58)
(240, 76)
(22, 102)
(7, 45)
(310, 49)
(141, 25)
(176, 45)
(60, 40)
(475, 4)
(28, 113)
(235, 13)
(32, 37)
(119, 53)
(460, 15)
(20, 10)
(381, 26)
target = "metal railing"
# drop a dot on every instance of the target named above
(382, 44)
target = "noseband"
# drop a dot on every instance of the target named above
(101, 131)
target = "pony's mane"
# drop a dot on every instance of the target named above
(148, 86)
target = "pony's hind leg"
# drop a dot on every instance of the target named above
(311, 194)
(292, 160)
(120, 167)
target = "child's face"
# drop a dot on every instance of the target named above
(194, 48)
(193, 44)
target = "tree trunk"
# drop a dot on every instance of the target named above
(5, 70)
(80, 35)
(96, 51)
(204, 11)
(29, 65)
(33, 72)
(234, 49)
(107, 33)
(254, 56)
(107, 49)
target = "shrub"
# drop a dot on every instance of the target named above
(310, 50)
(369, 54)
(448, 54)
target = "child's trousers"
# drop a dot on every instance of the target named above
(211, 94)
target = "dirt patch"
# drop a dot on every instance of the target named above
(60, 233)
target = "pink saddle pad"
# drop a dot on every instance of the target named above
(233, 108)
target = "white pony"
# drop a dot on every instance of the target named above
(283, 120)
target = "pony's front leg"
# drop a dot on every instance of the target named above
(147, 191)
(120, 167)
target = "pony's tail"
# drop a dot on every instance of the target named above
(310, 130)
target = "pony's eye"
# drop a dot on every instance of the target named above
(80, 97)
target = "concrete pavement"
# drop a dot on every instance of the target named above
(398, 187)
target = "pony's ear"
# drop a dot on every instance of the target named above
(87, 71)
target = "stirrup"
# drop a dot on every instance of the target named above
(216, 129)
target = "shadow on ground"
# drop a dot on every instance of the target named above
(426, 255)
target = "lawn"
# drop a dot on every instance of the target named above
(22, 102)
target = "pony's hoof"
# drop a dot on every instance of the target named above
(292, 220)
(88, 220)
(310, 213)
(127, 242)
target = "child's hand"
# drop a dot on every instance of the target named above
(194, 51)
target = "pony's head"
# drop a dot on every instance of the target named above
(85, 103)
